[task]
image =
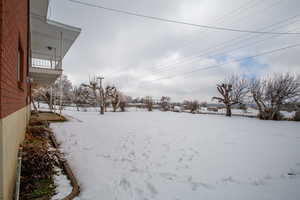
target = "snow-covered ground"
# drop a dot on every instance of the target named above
(180, 156)
(63, 184)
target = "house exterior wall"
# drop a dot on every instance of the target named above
(14, 94)
(13, 126)
(14, 32)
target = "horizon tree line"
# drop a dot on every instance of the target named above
(269, 95)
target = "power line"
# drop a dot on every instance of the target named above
(245, 7)
(219, 19)
(235, 60)
(237, 10)
(224, 52)
(208, 50)
(179, 22)
(229, 43)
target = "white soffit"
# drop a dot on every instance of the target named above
(46, 34)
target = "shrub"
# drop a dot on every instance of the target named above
(38, 163)
(269, 114)
(297, 116)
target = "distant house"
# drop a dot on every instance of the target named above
(212, 109)
(32, 49)
(177, 109)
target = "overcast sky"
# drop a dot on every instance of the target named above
(146, 57)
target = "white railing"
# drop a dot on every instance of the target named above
(43, 63)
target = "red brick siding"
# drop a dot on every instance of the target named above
(14, 30)
(1, 28)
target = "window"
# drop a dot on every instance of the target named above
(20, 59)
(19, 75)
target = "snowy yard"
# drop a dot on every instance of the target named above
(180, 156)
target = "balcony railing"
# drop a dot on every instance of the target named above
(45, 69)
(42, 63)
(45, 61)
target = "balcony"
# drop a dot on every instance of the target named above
(50, 42)
(44, 71)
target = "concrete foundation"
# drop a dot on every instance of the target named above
(12, 133)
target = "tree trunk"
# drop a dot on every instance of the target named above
(297, 115)
(114, 105)
(228, 110)
(102, 110)
(276, 113)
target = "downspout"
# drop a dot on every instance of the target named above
(18, 175)
(28, 56)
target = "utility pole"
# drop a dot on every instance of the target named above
(101, 95)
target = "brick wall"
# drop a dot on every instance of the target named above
(14, 30)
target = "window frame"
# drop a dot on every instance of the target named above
(20, 66)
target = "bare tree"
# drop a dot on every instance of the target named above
(297, 114)
(83, 96)
(111, 94)
(123, 101)
(272, 93)
(98, 94)
(117, 99)
(233, 91)
(42, 93)
(149, 103)
(165, 103)
(193, 106)
(66, 86)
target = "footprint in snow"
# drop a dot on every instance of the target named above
(229, 179)
(258, 182)
(196, 185)
(135, 170)
(87, 148)
(126, 160)
(125, 184)
(167, 147)
(140, 193)
(103, 156)
(124, 146)
(195, 151)
(158, 165)
(283, 176)
(151, 189)
(191, 158)
(169, 176)
(268, 177)
(145, 155)
(131, 154)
